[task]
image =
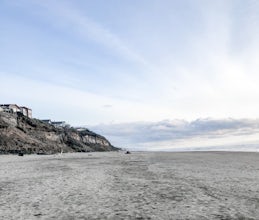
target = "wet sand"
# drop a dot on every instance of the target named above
(190, 185)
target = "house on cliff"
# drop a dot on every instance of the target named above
(26, 111)
(13, 108)
(48, 121)
(59, 123)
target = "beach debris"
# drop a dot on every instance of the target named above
(41, 152)
(38, 214)
(127, 152)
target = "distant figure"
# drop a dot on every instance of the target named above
(127, 152)
(20, 154)
(41, 152)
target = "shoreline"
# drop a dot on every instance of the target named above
(135, 151)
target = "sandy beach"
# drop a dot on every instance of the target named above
(190, 185)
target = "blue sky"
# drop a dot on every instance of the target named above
(116, 62)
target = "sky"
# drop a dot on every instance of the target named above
(116, 64)
(181, 135)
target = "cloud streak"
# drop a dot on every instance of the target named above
(66, 15)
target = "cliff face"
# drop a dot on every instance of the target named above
(22, 134)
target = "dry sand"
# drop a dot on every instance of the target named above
(200, 185)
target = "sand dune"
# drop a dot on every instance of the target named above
(201, 185)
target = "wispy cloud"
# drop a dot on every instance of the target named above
(66, 15)
(83, 50)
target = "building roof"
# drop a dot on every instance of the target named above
(7, 105)
(25, 107)
(58, 122)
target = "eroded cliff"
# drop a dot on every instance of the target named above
(22, 134)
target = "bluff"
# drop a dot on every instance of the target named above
(19, 133)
